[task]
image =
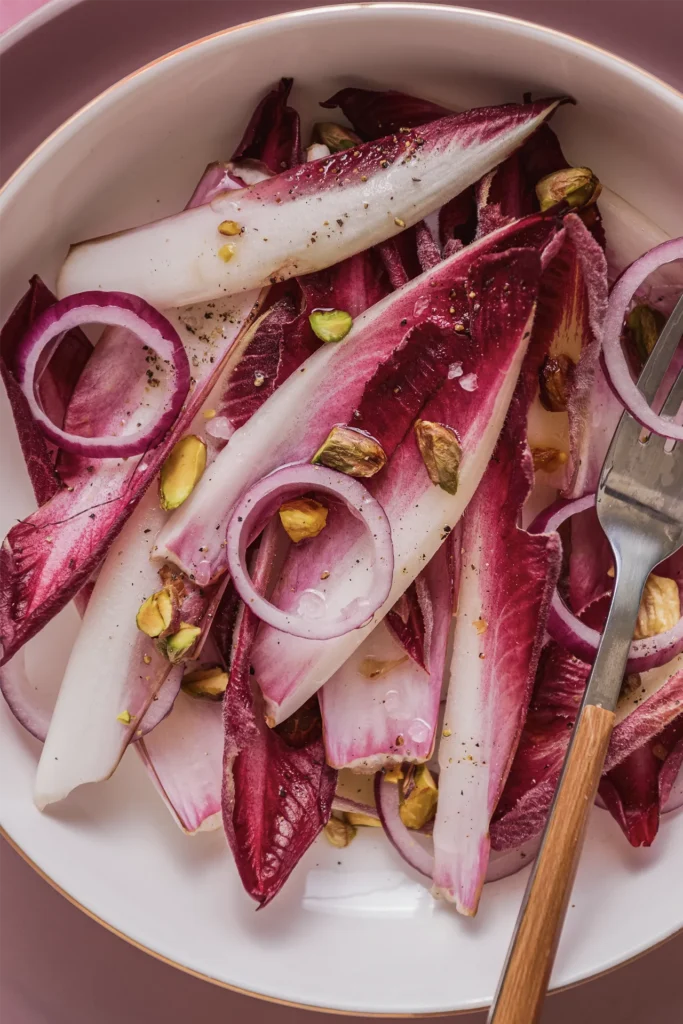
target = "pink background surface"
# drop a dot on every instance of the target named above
(56, 965)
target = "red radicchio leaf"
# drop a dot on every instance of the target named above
(273, 135)
(375, 113)
(284, 338)
(277, 788)
(406, 622)
(524, 803)
(402, 385)
(507, 580)
(57, 379)
(636, 789)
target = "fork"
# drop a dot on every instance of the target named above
(640, 508)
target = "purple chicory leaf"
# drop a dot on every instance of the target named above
(590, 559)
(375, 113)
(507, 578)
(183, 756)
(637, 788)
(401, 386)
(283, 337)
(366, 195)
(647, 707)
(523, 806)
(381, 707)
(497, 299)
(276, 798)
(273, 135)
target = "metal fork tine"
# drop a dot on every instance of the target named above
(662, 354)
(674, 398)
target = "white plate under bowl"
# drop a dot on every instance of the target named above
(353, 930)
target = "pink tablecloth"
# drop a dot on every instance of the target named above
(56, 965)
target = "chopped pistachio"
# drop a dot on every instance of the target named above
(209, 414)
(226, 252)
(181, 471)
(335, 136)
(330, 325)
(351, 451)
(303, 518)
(555, 379)
(481, 625)
(155, 613)
(125, 717)
(229, 227)
(210, 683)
(660, 607)
(421, 796)
(399, 222)
(548, 459)
(376, 668)
(440, 453)
(178, 644)
(577, 186)
(147, 658)
(644, 326)
(339, 832)
(355, 818)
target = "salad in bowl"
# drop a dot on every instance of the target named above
(322, 490)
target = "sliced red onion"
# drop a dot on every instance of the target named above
(344, 803)
(420, 854)
(263, 499)
(416, 854)
(117, 309)
(32, 706)
(578, 638)
(615, 360)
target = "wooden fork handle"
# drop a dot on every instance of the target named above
(527, 971)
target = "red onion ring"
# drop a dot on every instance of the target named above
(33, 709)
(117, 309)
(399, 835)
(578, 638)
(344, 803)
(263, 499)
(613, 355)
(419, 856)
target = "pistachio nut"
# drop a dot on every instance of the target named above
(577, 186)
(210, 683)
(440, 453)
(420, 796)
(177, 645)
(377, 668)
(335, 136)
(229, 227)
(548, 459)
(356, 818)
(330, 325)
(155, 614)
(351, 451)
(660, 607)
(339, 832)
(181, 471)
(644, 325)
(555, 378)
(303, 518)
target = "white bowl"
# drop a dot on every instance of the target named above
(353, 930)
